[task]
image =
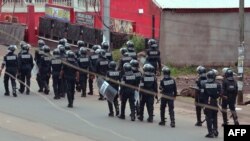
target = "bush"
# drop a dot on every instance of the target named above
(116, 55)
(139, 42)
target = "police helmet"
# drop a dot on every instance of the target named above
(95, 47)
(154, 46)
(201, 70)
(229, 73)
(127, 67)
(25, 47)
(148, 68)
(112, 65)
(97, 51)
(211, 75)
(83, 51)
(71, 54)
(61, 48)
(105, 45)
(62, 42)
(135, 64)
(12, 48)
(22, 43)
(224, 70)
(67, 47)
(102, 53)
(123, 50)
(126, 54)
(151, 42)
(80, 43)
(56, 51)
(166, 71)
(215, 71)
(46, 49)
(130, 44)
(41, 43)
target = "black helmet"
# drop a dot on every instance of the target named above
(26, 47)
(80, 43)
(83, 51)
(123, 50)
(201, 70)
(46, 49)
(135, 64)
(148, 68)
(112, 65)
(105, 45)
(130, 44)
(211, 75)
(41, 43)
(97, 51)
(166, 71)
(67, 47)
(61, 48)
(56, 51)
(126, 54)
(12, 48)
(224, 70)
(95, 47)
(102, 53)
(71, 54)
(127, 67)
(62, 42)
(229, 73)
(22, 43)
(151, 42)
(154, 46)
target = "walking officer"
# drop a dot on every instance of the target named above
(148, 83)
(84, 63)
(211, 90)
(37, 58)
(102, 67)
(229, 94)
(45, 70)
(199, 98)
(105, 46)
(71, 75)
(131, 50)
(124, 59)
(116, 76)
(56, 65)
(127, 93)
(11, 64)
(153, 57)
(25, 65)
(168, 89)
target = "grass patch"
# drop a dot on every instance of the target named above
(116, 55)
(179, 71)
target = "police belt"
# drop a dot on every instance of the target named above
(212, 100)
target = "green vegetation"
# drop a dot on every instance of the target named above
(116, 54)
(139, 42)
(178, 71)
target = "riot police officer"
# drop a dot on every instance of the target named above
(37, 58)
(114, 75)
(62, 41)
(153, 57)
(148, 83)
(124, 59)
(168, 88)
(211, 90)
(102, 67)
(11, 64)
(80, 44)
(62, 54)
(67, 47)
(199, 98)
(131, 49)
(83, 62)
(135, 68)
(56, 65)
(105, 46)
(71, 75)
(229, 94)
(151, 42)
(93, 58)
(127, 93)
(25, 65)
(45, 70)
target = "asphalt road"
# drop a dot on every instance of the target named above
(38, 117)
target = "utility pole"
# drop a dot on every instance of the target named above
(241, 52)
(106, 21)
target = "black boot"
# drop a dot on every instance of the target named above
(210, 135)
(235, 118)
(162, 123)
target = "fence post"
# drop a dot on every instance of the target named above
(31, 24)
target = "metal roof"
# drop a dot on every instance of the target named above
(199, 4)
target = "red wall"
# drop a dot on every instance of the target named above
(128, 10)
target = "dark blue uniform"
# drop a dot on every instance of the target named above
(45, 72)
(93, 59)
(109, 56)
(138, 76)
(168, 88)
(148, 83)
(153, 57)
(122, 61)
(56, 64)
(25, 65)
(10, 61)
(38, 56)
(84, 63)
(101, 69)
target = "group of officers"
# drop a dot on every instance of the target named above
(213, 95)
(70, 71)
